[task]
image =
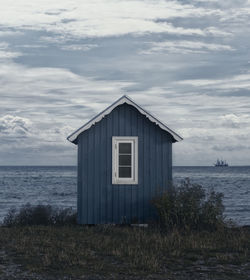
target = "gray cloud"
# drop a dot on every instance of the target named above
(229, 148)
(111, 18)
(14, 126)
(85, 47)
(186, 47)
(185, 61)
(6, 53)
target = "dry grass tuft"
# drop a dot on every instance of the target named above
(78, 250)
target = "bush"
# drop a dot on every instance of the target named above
(39, 215)
(189, 207)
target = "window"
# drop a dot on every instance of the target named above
(124, 160)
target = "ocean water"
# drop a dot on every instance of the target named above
(56, 186)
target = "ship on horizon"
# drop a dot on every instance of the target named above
(221, 163)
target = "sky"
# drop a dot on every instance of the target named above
(186, 62)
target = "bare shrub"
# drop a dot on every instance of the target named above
(189, 207)
(29, 215)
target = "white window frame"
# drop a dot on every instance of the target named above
(115, 160)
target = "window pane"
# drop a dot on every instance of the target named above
(124, 148)
(125, 172)
(125, 160)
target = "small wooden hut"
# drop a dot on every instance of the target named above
(124, 159)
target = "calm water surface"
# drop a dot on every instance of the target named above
(57, 186)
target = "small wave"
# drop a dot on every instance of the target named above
(12, 196)
(63, 194)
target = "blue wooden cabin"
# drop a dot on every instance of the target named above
(124, 160)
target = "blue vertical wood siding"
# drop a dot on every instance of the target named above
(101, 202)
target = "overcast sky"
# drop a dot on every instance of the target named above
(187, 62)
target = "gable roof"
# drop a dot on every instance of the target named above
(124, 99)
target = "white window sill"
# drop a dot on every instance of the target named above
(127, 182)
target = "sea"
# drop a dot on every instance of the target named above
(56, 185)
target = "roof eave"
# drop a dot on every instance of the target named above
(124, 99)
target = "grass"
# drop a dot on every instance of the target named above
(190, 240)
(127, 252)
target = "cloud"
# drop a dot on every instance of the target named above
(6, 53)
(4, 45)
(7, 33)
(56, 39)
(235, 82)
(54, 91)
(65, 43)
(230, 148)
(217, 32)
(99, 19)
(235, 121)
(44, 105)
(63, 62)
(24, 141)
(50, 103)
(32, 46)
(82, 47)
(14, 126)
(237, 15)
(185, 47)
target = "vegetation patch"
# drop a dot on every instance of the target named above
(189, 207)
(126, 251)
(191, 241)
(46, 215)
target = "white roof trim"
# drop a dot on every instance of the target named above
(124, 99)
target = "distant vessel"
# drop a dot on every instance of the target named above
(220, 163)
